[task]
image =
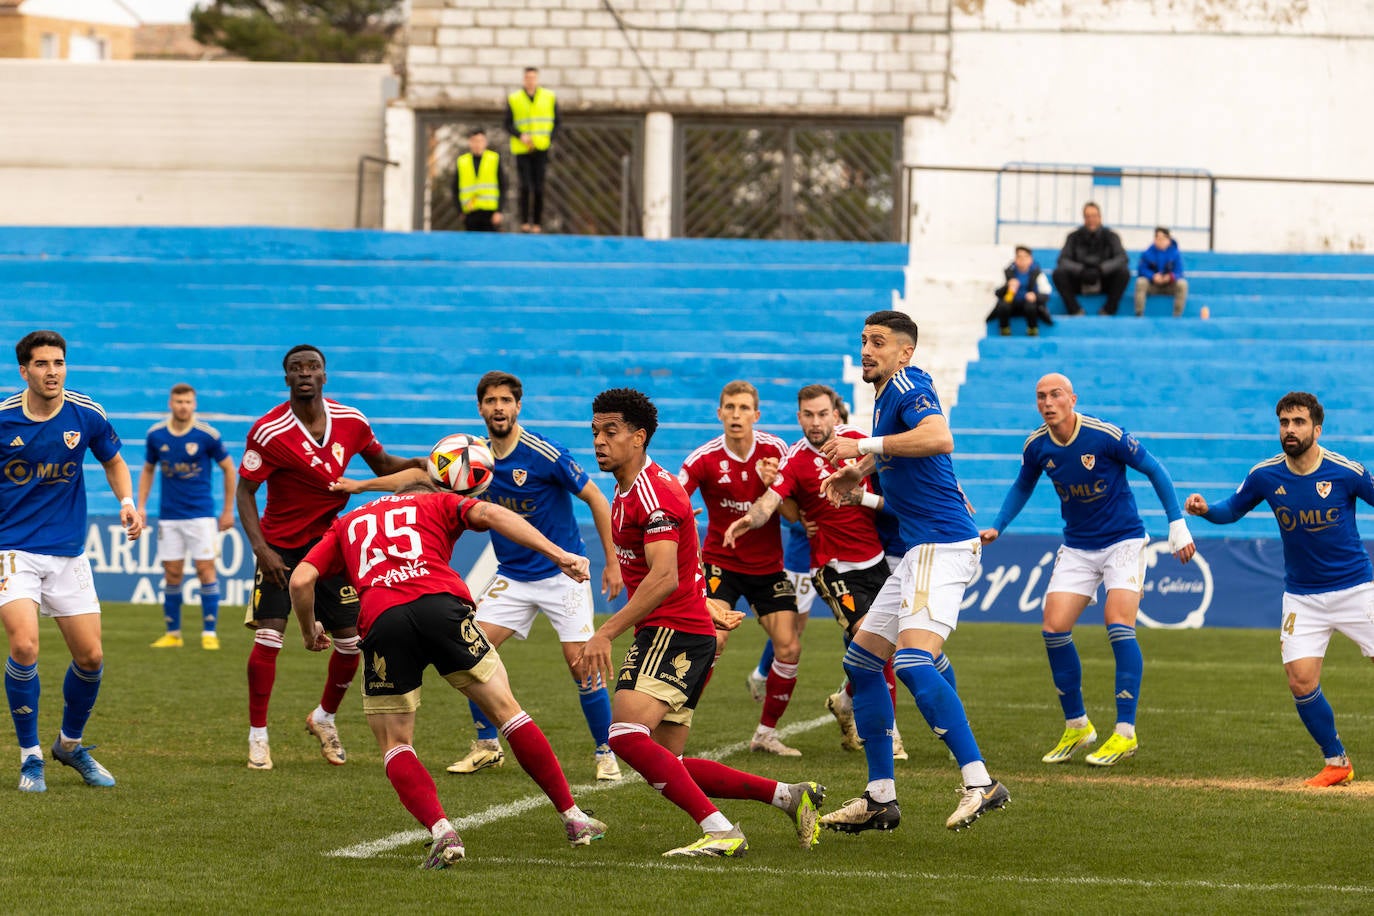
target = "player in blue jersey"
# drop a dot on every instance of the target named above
(918, 608)
(1328, 582)
(45, 432)
(1104, 545)
(535, 478)
(184, 450)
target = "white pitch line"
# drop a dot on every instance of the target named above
(371, 848)
(888, 875)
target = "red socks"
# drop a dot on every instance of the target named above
(781, 681)
(720, 781)
(343, 665)
(413, 785)
(660, 769)
(532, 749)
(262, 674)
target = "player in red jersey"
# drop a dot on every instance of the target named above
(415, 611)
(731, 471)
(664, 671)
(298, 449)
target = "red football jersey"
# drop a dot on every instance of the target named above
(396, 549)
(298, 470)
(729, 484)
(656, 508)
(844, 533)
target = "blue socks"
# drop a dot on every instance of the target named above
(1067, 672)
(485, 730)
(766, 659)
(171, 607)
(941, 706)
(79, 691)
(874, 717)
(209, 605)
(596, 708)
(1130, 667)
(1313, 709)
(946, 669)
(21, 690)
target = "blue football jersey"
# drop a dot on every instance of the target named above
(1089, 474)
(43, 489)
(1322, 550)
(536, 480)
(923, 493)
(186, 465)
(796, 549)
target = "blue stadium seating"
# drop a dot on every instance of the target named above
(1199, 394)
(408, 322)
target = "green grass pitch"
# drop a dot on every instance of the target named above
(1209, 817)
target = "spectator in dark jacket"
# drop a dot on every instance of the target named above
(1092, 261)
(1025, 292)
(1160, 273)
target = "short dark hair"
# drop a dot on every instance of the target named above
(495, 379)
(182, 388)
(301, 348)
(807, 392)
(1093, 204)
(531, 69)
(1165, 230)
(35, 339)
(893, 321)
(420, 485)
(477, 131)
(1021, 248)
(631, 404)
(1302, 399)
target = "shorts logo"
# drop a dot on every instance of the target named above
(476, 642)
(348, 595)
(192, 447)
(337, 451)
(251, 460)
(519, 475)
(680, 665)
(1323, 488)
(72, 437)
(1088, 461)
(379, 665)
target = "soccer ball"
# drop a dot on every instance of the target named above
(462, 463)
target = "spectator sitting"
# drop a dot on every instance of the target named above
(1092, 261)
(1026, 292)
(1161, 273)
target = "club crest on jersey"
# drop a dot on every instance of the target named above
(337, 451)
(192, 447)
(1088, 461)
(724, 464)
(519, 475)
(1323, 488)
(72, 437)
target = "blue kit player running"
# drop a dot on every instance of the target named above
(45, 432)
(1328, 582)
(1104, 542)
(536, 478)
(918, 607)
(183, 452)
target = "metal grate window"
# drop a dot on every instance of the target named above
(793, 180)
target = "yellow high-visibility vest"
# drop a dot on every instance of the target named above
(479, 188)
(533, 117)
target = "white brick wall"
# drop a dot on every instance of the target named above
(852, 57)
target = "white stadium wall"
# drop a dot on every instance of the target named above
(186, 143)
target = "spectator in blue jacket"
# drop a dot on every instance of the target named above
(1160, 273)
(1025, 292)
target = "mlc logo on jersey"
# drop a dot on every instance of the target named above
(73, 438)
(19, 472)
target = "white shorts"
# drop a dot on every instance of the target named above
(925, 591)
(1080, 572)
(61, 586)
(513, 605)
(806, 591)
(178, 538)
(1309, 620)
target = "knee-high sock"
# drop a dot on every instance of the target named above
(343, 665)
(262, 674)
(938, 702)
(890, 678)
(1316, 714)
(1066, 671)
(946, 669)
(873, 712)
(596, 709)
(782, 680)
(79, 690)
(661, 769)
(22, 690)
(1130, 668)
(485, 730)
(209, 606)
(531, 748)
(766, 659)
(171, 607)
(413, 785)
(720, 781)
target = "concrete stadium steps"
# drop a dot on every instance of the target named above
(409, 322)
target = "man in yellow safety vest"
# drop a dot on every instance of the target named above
(479, 184)
(531, 121)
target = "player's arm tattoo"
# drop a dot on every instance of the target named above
(763, 508)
